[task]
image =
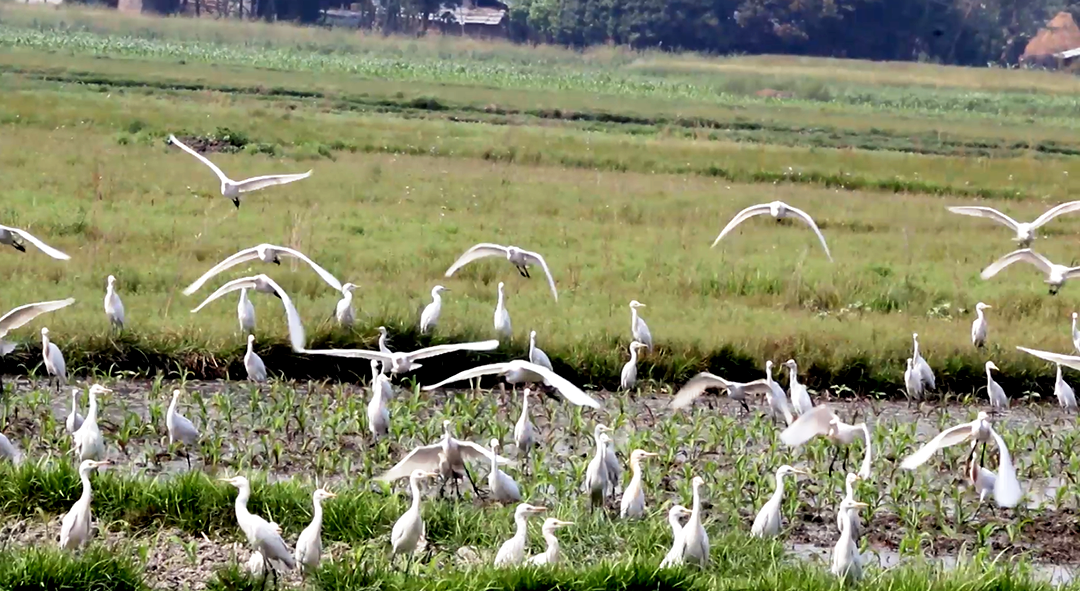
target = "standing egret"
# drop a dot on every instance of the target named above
(344, 311)
(596, 473)
(74, 419)
(8, 236)
(524, 432)
(674, 556)
(1025, 231)
(502, 316)
(551, 554)
(264, 284)
(18, 318)
(1064, 392)
(913, 384)
(378, 378)
(512, 551)
(736, 391)
(426, 458)
(800, 396)
(430, 316)
(849, 495)
(180, 428)
(1007, 490)
(256, 369)
(8, 451)
(89, 444)
(54, 360)
(536, 354)
(233, 189)
(1056, 275)
(503, 488)
(409, 528)
(633, 498)
(628, 379)
(998, 400)
(611, 462)
(114, 308)
(383, 335)
(821, 420)
(979, 327)
(639, 331)
(926, 375)
(525, 371)
(1075, 334)
(846, 562)
(982, 480)
(245, 312)
(776, 397)
(75, 527)
(404, 362)
(378, 415)
(263, 537)
(309, 544)
(767, 522)
(695, 538)
(518, 257)
(778, 210)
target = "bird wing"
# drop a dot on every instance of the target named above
(473, 451)
(947, 438)
(986, 212)
(45, 248)
(696, 387)
(261, 182)
(813, 226)
(484, 249)
(352, 354)
(1055, 211)
(569, 391)
(1024, 254)
(468, 374)
(23, 314)
(425, 457)
(749, 212)
(756, 387)
(809, 425)
(426, 352)
(221, 175)
(864, 470)
(296, 327)
(1007, 491)
(534, 257)
(326, 276)
(243, 256)
(1072, 361)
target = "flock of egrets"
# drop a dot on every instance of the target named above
(448, 458)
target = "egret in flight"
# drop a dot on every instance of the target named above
(520, 258)
(264, 284)
(1056, 275)
(114, 308)
(767, 522)
(821, 420)
(22, 315)
(1025, 231)
(15, 238)
(404, 362)
(455, 452)
(267, 253)
(736, 390)
(778, 210)
(523, 369)
(75, 527)
(233, 189)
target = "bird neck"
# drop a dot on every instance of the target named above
(494, 460)
(242, 495)
(633, 319)
(316, 517)
(552, 543)
(414, 484)
(172, 406)
(635, 471)
(979, 313)
(778, 494)
(1059, 373)
(501, 300)
(696, 510)
(84, 476)
(600, 448)
(91, 415)
(346, 296)
(436, 298)
(633, 355)
(522, 522)
(251, 347)
(525, 402)
(676, 526)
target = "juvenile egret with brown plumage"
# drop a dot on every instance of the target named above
(1056, 275)
(344, 312)
(695, 538)
(89, 444)
(512, 551)
(180, 428)
(979, 327)
(378, 415)
(74, 419)
(233, 189)
(263, 537)
(16, 238)
(309, 544)
(821, 420)
(736, 390)
(503, 488)
(998, 400)
(245, 313)
(524, 432)
(114, 308)
(409, 528)
(525, 372)
(54, 360)
(430, 316)
(639, 331)
(256, 369)
(922, 368)
(1007, 490)
(426, 457)
(1064, 392)
(19, 317)
(264, 284)
(846, 562)
(800, 396)
(404, 362)
(633, 498)
(767, 522)
(520, 258)
(674, 556)
(75, 527)
(596, 474)
(1025, 231)
(551, 554)
(628, 379)
(778, 210)
(8, 451)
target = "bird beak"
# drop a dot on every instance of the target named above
(431, 474)
(564, 523)
(102, 463)
(803, 472)
(539, 509)
(224, 479)
(859, 504)
(330, 495)
(650, 454)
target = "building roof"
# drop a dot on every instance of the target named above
(471, 16)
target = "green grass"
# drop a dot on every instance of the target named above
(95, 570)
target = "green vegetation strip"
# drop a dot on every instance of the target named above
(40, 569)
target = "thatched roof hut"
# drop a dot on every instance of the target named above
(1059, 35)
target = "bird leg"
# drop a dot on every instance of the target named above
(523, 271)
(836, 452)
(18, 247)
(236, 202)
(746, 409)
(187, 456)
(472, 482)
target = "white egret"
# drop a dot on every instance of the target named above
(1072, 361)
(1064, 392)
(54, 360)
(674, 556)
(382, 341)
(551, 554)
(1056, 275)
(853, 516)
(800, 396)
(519, 257)
(778, 210)
(180, 428)
(979, 326)
(512, 551)
(409, 528)
(639, 331)
(8, 451)
(264, 284)
(767, 522)
(628, 378)
(74, 419)
(524, 432)
(570, 392)
(1025, 231)
(1007, 490)
(309, 544)
(503, 328)
(256, 369)
(75, 527)
(114, 308)
(633, 497)
(736, 390)
(846, 562)
(921, 366)
(596, 473)
(245, 313)
(430, 316)
(8, 236)
(344, 311)
(89, 444)
(426, 457)
(233, 189)
(378, 415)
(404, 362)
(695, 538)
(503, 488)
(20, 316)
(998, 400)
(821, 420)
(263, 536)
(982, 480)
(611, 461)
(776, 397)
(378, 378)
(913, 384)
(536, 354)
